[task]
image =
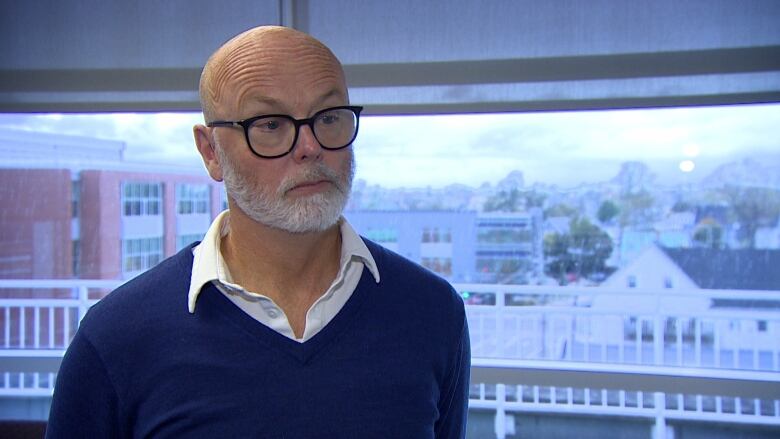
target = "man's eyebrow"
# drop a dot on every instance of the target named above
(335, 92)
(269, 101)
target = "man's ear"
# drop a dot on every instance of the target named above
(204, 141)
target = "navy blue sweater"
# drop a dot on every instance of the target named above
(393, 363)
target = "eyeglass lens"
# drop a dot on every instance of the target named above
(274, 135)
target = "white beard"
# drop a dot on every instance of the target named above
(312, 213)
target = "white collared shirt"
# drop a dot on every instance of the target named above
(209, 266)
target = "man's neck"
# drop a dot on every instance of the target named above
(293, 269)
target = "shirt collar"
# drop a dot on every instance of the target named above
(208, 264)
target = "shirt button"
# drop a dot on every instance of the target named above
(272, 313)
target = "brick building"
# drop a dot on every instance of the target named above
(73, 207)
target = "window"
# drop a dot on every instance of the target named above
(75, 198)
(545, 231)
(436, 235)
(503, 235)
(141, 199)
(442, 266)
(185, 240)
(596, 221)
(141, 254)
(382, 235)
(76, 255)
(192, 199)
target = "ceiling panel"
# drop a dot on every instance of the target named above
(402, 56)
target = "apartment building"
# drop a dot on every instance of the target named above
(86, 212)
(461, 246)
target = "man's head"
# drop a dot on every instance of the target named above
(275, 70)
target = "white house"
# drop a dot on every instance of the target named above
(721, 290)
(641, 289)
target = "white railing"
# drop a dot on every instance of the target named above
(651, 349)
(664, 355)
(592, 324)
(36, 331)
(46, 323)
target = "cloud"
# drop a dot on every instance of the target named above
(565, 148)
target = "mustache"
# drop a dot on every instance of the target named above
(312, 174)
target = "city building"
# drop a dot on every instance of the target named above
(461, 246)
(442, 241)
(86, 212)
(509, 247)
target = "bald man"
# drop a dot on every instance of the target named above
(283, 322)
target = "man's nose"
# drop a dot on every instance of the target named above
(307, 147)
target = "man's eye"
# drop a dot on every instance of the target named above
(328, 119)
(269, 125)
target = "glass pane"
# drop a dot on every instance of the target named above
(632, 237)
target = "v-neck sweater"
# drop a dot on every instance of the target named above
(393, 363)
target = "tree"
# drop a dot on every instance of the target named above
(634, 177)
(582, 252)
(752, 207)
(607, 211)
(682, 206)
(513, 200)
(561, 210)
(636, 208)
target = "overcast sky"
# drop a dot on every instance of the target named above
(555, 148)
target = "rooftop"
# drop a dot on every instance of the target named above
(743, 269)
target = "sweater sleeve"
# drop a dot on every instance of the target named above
(85, 401)
(454, 399)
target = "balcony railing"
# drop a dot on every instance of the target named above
(629, 326)
(664, 355)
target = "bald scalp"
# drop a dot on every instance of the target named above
(251, 53)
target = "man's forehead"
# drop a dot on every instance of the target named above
(334, 96)
(296, 95)
(272, 66)
(268, 68)
(276, 49)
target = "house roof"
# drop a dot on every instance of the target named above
(744, 269)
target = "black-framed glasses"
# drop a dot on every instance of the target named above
(274, 135)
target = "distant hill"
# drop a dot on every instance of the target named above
(746, 172)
